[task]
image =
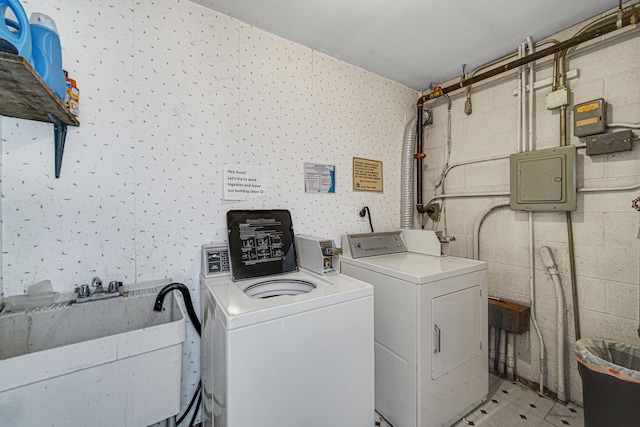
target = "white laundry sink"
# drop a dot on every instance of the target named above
(111, 362)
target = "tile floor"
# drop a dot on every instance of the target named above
(513, 405)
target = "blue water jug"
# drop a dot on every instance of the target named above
(47, 53)
(19, 34)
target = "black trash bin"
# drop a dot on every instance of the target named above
(610, 372)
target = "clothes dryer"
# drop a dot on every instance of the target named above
(283, 347)
(431, 364)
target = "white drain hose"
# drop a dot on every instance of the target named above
(549, 262)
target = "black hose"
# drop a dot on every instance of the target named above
(187, 301)
(196, 411)
(193, 399)
(186, 296)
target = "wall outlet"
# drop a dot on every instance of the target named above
(357, 215)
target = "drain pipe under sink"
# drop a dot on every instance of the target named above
(549, 262)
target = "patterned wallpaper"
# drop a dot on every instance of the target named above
(170, 92)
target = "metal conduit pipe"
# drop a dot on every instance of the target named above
(419, 156)
(506, 193)
(406, 178)
(478, 224)
(511, 360)
(528, 146)
(630, 16)
(492, 349)
(470, 162)
(617, 20)
(502, 353)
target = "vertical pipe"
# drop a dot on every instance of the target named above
(572, 268)
(560, 336)
(532, 280)
(519, 136)
(549, 262)
(527, 147)
(511, 344)
(562, 77)
(492, 349)
(531, 96)
(502, 352)
(419, 136)
(523, 102)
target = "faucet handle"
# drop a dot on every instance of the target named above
(83, 291)
(113, 286)
(96, 282)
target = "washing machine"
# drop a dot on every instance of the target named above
(281, 346)
(431, 364)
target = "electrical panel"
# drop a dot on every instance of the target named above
(589, 118)
(544, 180)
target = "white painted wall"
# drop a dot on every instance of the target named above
(605, 225)
(170, 92)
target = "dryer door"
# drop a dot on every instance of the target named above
(456, 322)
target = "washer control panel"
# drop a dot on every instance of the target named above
(215, 260)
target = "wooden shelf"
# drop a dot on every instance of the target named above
(24, 95)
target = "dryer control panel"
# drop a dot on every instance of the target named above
(371, 244)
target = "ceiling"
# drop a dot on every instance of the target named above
(414, 42)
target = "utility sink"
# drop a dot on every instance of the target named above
(111, 362)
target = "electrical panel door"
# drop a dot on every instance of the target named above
(544, 180)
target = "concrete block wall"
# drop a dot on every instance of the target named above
(605, 225)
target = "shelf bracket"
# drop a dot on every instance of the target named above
(60, 136)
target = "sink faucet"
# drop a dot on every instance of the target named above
(96, 282)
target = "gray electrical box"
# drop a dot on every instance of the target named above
(544, 180)
(590, 118)
(609, 142)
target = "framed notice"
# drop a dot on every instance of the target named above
(367, 175)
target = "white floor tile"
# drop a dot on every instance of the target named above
(562, 416)
(511, 404)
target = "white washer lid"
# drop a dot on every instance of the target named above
(417, 268)
(237, 310)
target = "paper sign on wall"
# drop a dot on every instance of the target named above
(367, 175)
(245, 182)
(319, 178)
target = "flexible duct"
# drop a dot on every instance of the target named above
(406, 180)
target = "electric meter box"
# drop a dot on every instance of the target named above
(589, 118)
(544, 180)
